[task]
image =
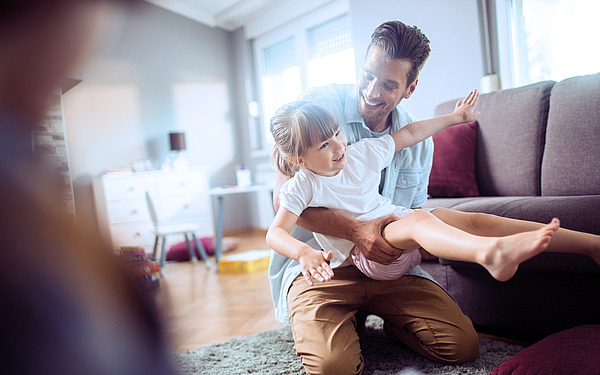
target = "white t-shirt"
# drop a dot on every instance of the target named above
(352, 192)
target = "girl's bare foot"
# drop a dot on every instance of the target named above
(506, 253)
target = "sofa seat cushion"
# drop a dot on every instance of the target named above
(573, 351)
(580, 213)
(545, 263)
(453, 202)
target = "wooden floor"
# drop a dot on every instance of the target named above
(202, 306)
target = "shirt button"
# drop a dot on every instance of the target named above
(404, 182)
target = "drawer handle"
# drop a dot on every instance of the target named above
(134, 212)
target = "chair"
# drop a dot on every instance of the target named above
(161, 231)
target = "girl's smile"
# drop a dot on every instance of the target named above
(341, 158)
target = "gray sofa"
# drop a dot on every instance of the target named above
(537, 157)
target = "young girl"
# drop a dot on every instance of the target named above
(326, 172)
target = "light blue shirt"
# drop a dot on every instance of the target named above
(405, 183)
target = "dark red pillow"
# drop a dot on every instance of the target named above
(453, 171)
(574, 351)
(179, 252)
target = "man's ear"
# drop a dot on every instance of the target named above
(411, 89)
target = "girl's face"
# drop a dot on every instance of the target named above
(326, 158)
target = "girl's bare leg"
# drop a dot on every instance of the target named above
(501, 256)
(564, 240)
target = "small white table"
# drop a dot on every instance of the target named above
(219, 193)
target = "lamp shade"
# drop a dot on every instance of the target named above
(177, 141)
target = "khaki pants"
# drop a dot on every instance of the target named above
(415, 310)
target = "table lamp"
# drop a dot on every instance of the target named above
(178, 156)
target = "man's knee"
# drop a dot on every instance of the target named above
(336, 362)
(465, 348)
(448, 344)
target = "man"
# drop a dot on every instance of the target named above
(67, 307)
(415, 309)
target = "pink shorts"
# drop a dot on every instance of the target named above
(392, 271)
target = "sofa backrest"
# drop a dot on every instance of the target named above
(571, 163)
(510, 139)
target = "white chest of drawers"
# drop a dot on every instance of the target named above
(122, 211)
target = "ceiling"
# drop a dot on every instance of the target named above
(225, 14)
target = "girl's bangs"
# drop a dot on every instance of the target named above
(320, 126)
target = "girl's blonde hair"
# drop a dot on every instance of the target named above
(296, 127)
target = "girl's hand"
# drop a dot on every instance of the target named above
(464, 107)
(314, 265)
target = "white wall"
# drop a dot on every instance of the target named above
(165, 72)
(455, 64)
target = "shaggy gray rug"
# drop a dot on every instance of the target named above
(272, 352)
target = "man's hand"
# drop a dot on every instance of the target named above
(369, 240)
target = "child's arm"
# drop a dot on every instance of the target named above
(313, 262)
(418, 131)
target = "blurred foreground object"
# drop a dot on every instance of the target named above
(68, 306)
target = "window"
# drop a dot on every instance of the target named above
(330, 53)
(313, 52)
(554, 39)
(280, 81)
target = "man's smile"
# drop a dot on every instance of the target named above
(370, 104)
